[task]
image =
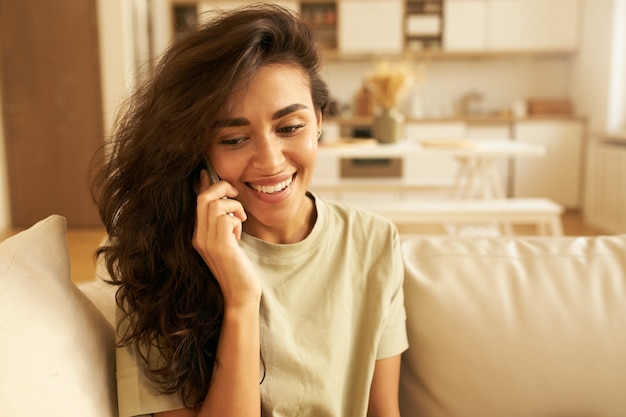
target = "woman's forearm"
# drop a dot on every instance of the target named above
(234, 389)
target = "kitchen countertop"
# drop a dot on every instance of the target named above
(479, 120)
(491, 149)
(612, 137)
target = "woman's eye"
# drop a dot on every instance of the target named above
(291, 129)
(232, 141)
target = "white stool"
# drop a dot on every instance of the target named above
(542, 212)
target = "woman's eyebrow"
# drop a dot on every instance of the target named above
(289, 109)
(236, 122)
(242, 121)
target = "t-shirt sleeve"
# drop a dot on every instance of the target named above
(138, 395)
(394, 338)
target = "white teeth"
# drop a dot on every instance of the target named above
(269, 189)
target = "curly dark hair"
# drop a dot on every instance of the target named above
(146, 194)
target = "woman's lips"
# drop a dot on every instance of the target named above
(271, 189)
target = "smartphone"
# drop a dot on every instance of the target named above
(213, 177)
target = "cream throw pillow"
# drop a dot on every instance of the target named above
(57, 355)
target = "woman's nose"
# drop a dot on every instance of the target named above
(269, 153)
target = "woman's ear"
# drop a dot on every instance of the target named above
(318, 115)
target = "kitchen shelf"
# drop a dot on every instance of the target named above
(423, 24)
(360, 121)
(424, 6)
(321, 16)
(441, 55)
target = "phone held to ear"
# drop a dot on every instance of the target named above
(213, 177)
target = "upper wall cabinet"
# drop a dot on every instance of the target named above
(371, 26)
(361, 28)
(347, 27)
(465, 25)
(533, 24)
(511, 25)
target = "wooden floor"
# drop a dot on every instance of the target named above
(83, 242)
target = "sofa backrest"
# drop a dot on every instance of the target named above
(498, 327)
(515, 327)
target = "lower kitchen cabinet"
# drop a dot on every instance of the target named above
(605, 187)
(489, 131)
(557, 175)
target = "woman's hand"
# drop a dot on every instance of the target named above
(218, 228)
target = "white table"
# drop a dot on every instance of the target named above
(477, 182)
(477, 172)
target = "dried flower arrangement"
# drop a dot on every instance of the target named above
(388, 83)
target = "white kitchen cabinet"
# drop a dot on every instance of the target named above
(511, 25)
(430, 175)
(542, 25)
(371, 26)
(488, 131)
(465, 25)
(557, 175)
(435, 130)
(605, 187)
(384, 173)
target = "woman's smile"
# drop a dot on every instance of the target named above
(272, 188)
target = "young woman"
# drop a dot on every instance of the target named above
(245, 295)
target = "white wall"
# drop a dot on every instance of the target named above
(116, 55)
(161, 17)
(592, 65)
(500, 80)
(599, 68)
(617, 99)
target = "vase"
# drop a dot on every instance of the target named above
(388, 126)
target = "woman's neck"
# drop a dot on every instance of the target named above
(293, 231)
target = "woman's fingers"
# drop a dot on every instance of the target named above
(218, 218)
(218, 227)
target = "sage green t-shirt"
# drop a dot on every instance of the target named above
(332, 305)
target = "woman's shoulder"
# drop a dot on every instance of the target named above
(351, 215)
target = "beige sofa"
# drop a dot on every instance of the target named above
(498, 327)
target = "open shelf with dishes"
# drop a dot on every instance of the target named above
(322, 17)
(423, 25)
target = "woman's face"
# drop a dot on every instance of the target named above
(267, 151)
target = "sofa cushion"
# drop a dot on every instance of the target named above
(515, 327)
(57, 351)
(100, 293)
